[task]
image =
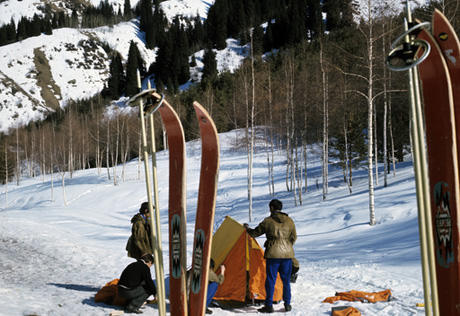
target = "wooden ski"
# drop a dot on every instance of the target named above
(443, 173)
(205, 212)
(177, 209)
(447, 230)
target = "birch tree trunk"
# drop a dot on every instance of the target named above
(252, 143)
(325, 154)
(390, 127)
(272, 145)
(18, 160)
(6, 174)
(107, 152)
(294, 159)
(70, 143)
(376, 155)
(370, 128)
(347, 162)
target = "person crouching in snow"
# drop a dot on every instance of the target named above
(281, 235)
(136, 284)
(139, 241)
(213, 283)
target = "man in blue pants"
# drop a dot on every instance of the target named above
(213, 283)
(281, 235)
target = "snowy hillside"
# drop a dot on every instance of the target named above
(40, 74)
(54, 257)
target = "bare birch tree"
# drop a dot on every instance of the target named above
(325, 152)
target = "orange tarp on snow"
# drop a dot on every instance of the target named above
(365, 297)
(345, 311)
(244, 262)
(109, 294)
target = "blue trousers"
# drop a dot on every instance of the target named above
(212, 289)
(273, 266)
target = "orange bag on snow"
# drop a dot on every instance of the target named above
(359, 296)
(108, 294)
(345, 311)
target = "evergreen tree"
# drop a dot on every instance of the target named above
(258, 40)
(127, 12)
(348, 8)
(236, 21)
(297, 21)
(22, 29)
(36, 25)
(11, 32)
(197, 34)
(183, 51)
(314, 18)
(163, 62)
(193, 61)
(332, 9)
(116, 79)
(3, 35)
(268, 38)
(47, 27)
(146, 14)
(209, 74)
(132, 66)
(74, 18)
(216, 26)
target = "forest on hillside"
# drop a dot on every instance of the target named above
(314, 75)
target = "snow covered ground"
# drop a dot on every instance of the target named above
(55, 257)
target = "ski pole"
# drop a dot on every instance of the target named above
(161, 307)
(161, 275)
(407, 51)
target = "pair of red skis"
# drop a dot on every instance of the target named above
(440, 77)
(177, 204)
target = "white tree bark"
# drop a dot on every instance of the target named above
(325, 152)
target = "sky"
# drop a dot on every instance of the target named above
(55, 255)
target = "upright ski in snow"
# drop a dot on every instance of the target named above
(446, 216)
(205, 211)
(177, 209)
(443, 173)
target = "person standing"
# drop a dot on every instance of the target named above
(139, 241)
(281, 235)
(136, 284)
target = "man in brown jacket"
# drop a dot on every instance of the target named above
(281, 235)
(139, 241)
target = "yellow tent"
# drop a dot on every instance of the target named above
(244, 262)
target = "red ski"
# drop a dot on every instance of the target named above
(447, 40)
(205, 211)
(177, 214)
(443, 173)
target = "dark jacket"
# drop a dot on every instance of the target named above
(281, 235)
(139, 241)
(137, 273)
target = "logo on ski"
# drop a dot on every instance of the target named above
(176, 246)
(197, 261)
(445, 249)
(443, 36)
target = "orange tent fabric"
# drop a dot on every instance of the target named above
(108, 294)
(244, 262)
(345, 311)
(365, 297)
